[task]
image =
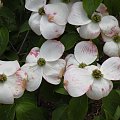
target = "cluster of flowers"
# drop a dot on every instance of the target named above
(81, 76)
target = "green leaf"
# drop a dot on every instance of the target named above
(69, 40)
(113, 6)
(110, 103)
(58, 113)
(77, 108)
(90, 6)
(25, 27)
(26, 108)
(7, 112)
(117, 114)
(4, 39)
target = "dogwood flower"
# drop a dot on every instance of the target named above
(112, 45)
(12, 81)
(91, 28)
(48, 20)
(44, 62)
(85, 53)
(94, 81)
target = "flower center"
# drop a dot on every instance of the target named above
(82, 65)
(116, 39)
(41, 62)
(66, 1)
(41, 11)
(97, 74)
(96, 18)
(3, 78)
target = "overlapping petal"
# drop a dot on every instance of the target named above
(57, 13)
(85, 52)
(89, 31)
(32, 57)
(99, 89)
(53, 71)
(6, 95)
(9, 67)
(109, 25)
(77, 15)
(34, 5)
(34, 22)
(34, 76)
(111, 68)
(51, 50)
(50, 30)
(77, 81)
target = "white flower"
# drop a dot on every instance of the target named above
(45, 62)
(112, 45)
(48, 20)
(85, 53)
(94, 81)
(91, 28)
(12, 81)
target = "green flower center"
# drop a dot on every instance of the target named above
(97, 74)
(41, 11)
(41, 62)
(116, 39)
(3, 78)
(82, 65)
(96, 18)
(66, 1)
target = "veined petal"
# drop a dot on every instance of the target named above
(71, 60)
(32, 56)
(53, 71)
(34, 23)
(77, 81)
(34, 73)
(109, 25)
(17, 83)
(6, 95)
(9, 67)
(51, 50)
(50, 30)
(57, 13)
(106, 38)
(78, 16)
(111, 49)
(86, 52)
(99, 89)
(111, 68)
(89, 31)
(34, 5)
(102, 9)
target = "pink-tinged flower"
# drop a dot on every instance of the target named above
(85, 53)
(94, 81)
(48, 20)
(44, 62)
(91, 28)
(112, 45)
(12, 81)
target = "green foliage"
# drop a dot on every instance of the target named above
(91, 5)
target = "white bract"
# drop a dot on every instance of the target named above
(48, 20)
(112, 45)
(91, 28)
(12, 81)
(44, 62)
(85, 53)
(94, 81)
